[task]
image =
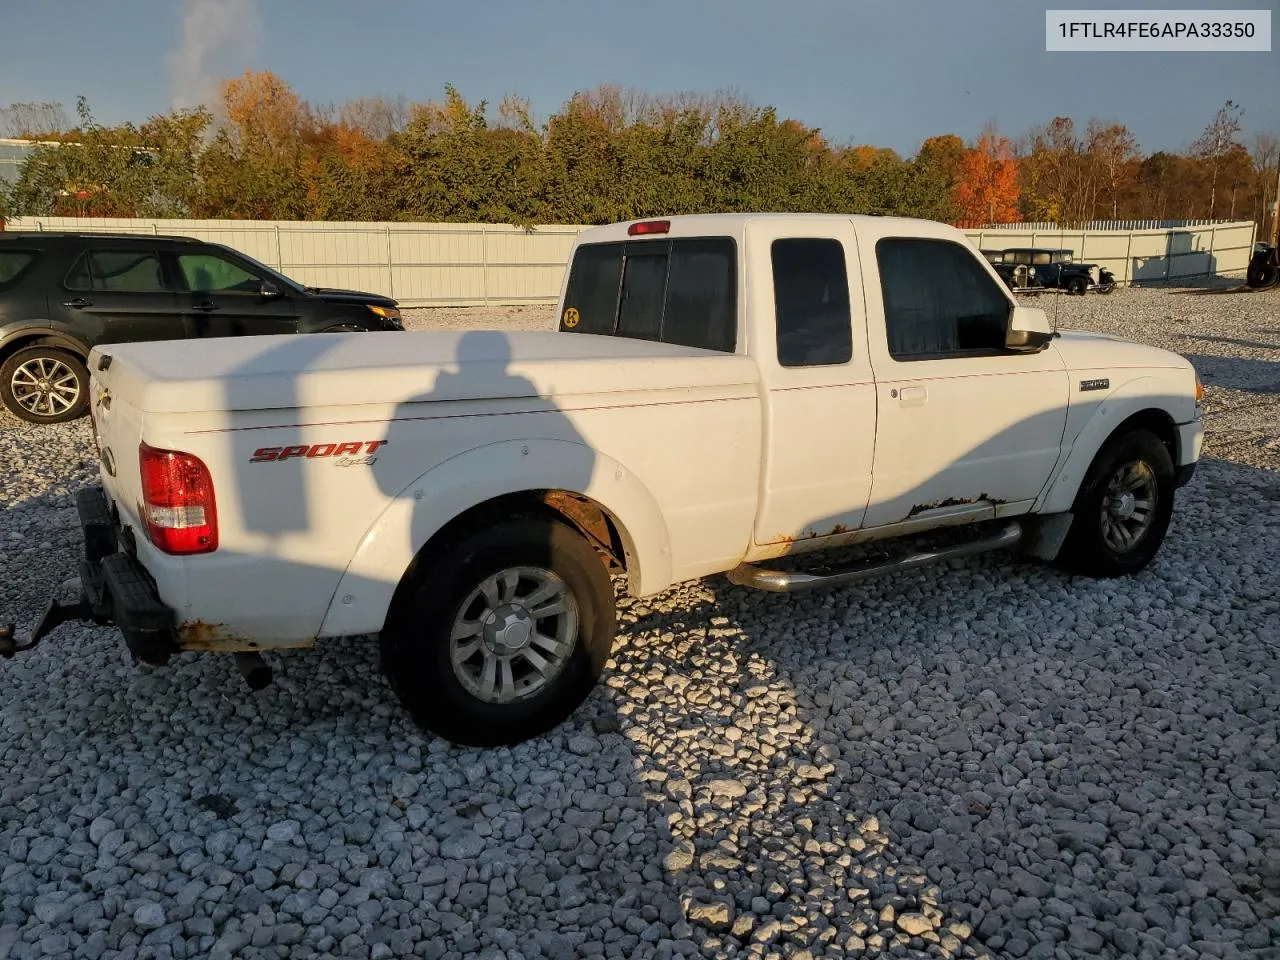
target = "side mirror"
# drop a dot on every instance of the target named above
(269, 290)
(1029, 329)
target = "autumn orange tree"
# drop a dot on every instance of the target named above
(986, 189)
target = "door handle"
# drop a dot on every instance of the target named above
(913, 396)
(205, 307)
(77, 303)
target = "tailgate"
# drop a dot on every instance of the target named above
(117, 431)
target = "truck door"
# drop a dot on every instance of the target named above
(819, 393)
(964, 424)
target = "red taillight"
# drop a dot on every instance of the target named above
(648, 226)
(177, 501)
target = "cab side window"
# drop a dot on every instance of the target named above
(938, 301)
(811, 302)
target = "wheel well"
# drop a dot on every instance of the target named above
(1159, 423)
(37, 339)
(596, 525)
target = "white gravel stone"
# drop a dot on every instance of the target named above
(992, 758)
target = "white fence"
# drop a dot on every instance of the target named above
(1197, 250)
(462, 264)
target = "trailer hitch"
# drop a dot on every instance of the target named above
(55, 615)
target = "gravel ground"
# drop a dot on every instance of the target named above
(990, 760)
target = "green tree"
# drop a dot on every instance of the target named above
(122, 171)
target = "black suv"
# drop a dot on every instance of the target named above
(62, 294)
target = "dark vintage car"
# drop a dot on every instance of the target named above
(1018, 277)
(1057, 270)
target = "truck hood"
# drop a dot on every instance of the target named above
(343, 369)
(1082, 350)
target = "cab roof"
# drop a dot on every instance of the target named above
(734, 224)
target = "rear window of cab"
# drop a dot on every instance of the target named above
(677, 291)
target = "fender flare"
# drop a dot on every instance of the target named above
(21, 337)
(1132, 397)
(422, 508)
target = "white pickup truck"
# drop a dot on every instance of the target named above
(724, 394)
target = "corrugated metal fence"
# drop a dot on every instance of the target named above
(461, 264)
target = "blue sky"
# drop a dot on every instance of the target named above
(887, 72)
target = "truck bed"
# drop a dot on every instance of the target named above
(281, 372)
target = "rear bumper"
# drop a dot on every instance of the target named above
(117, 590)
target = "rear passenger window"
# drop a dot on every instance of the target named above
(13, 264)
(118, 271)
(644, 287)
(811, 303)
(591, 301)
(681, 291)
(938, 301)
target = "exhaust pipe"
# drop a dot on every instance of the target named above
(254, 670)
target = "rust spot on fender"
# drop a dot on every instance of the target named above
(202, 637)
(589, 519)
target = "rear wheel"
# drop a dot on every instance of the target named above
(1123, 509)
(45, 385)
(502, 634)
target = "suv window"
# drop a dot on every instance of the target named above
(681, 291)
(938, 301)
(210, 273)
(811, 302)
(118, 271)
(13, 264)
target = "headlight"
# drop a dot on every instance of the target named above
(387, 313)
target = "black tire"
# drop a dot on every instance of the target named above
(23, 363)
(1263, 276)
(1088, 550)
(416, 641)
(1077, 286)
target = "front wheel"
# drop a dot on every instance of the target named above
(502, 633)
(45, 385)
(1123, 509)
(1077, 286)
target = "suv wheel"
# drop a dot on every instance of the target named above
(502, 633)
(45, 385)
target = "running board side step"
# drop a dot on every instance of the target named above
(785, 581)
